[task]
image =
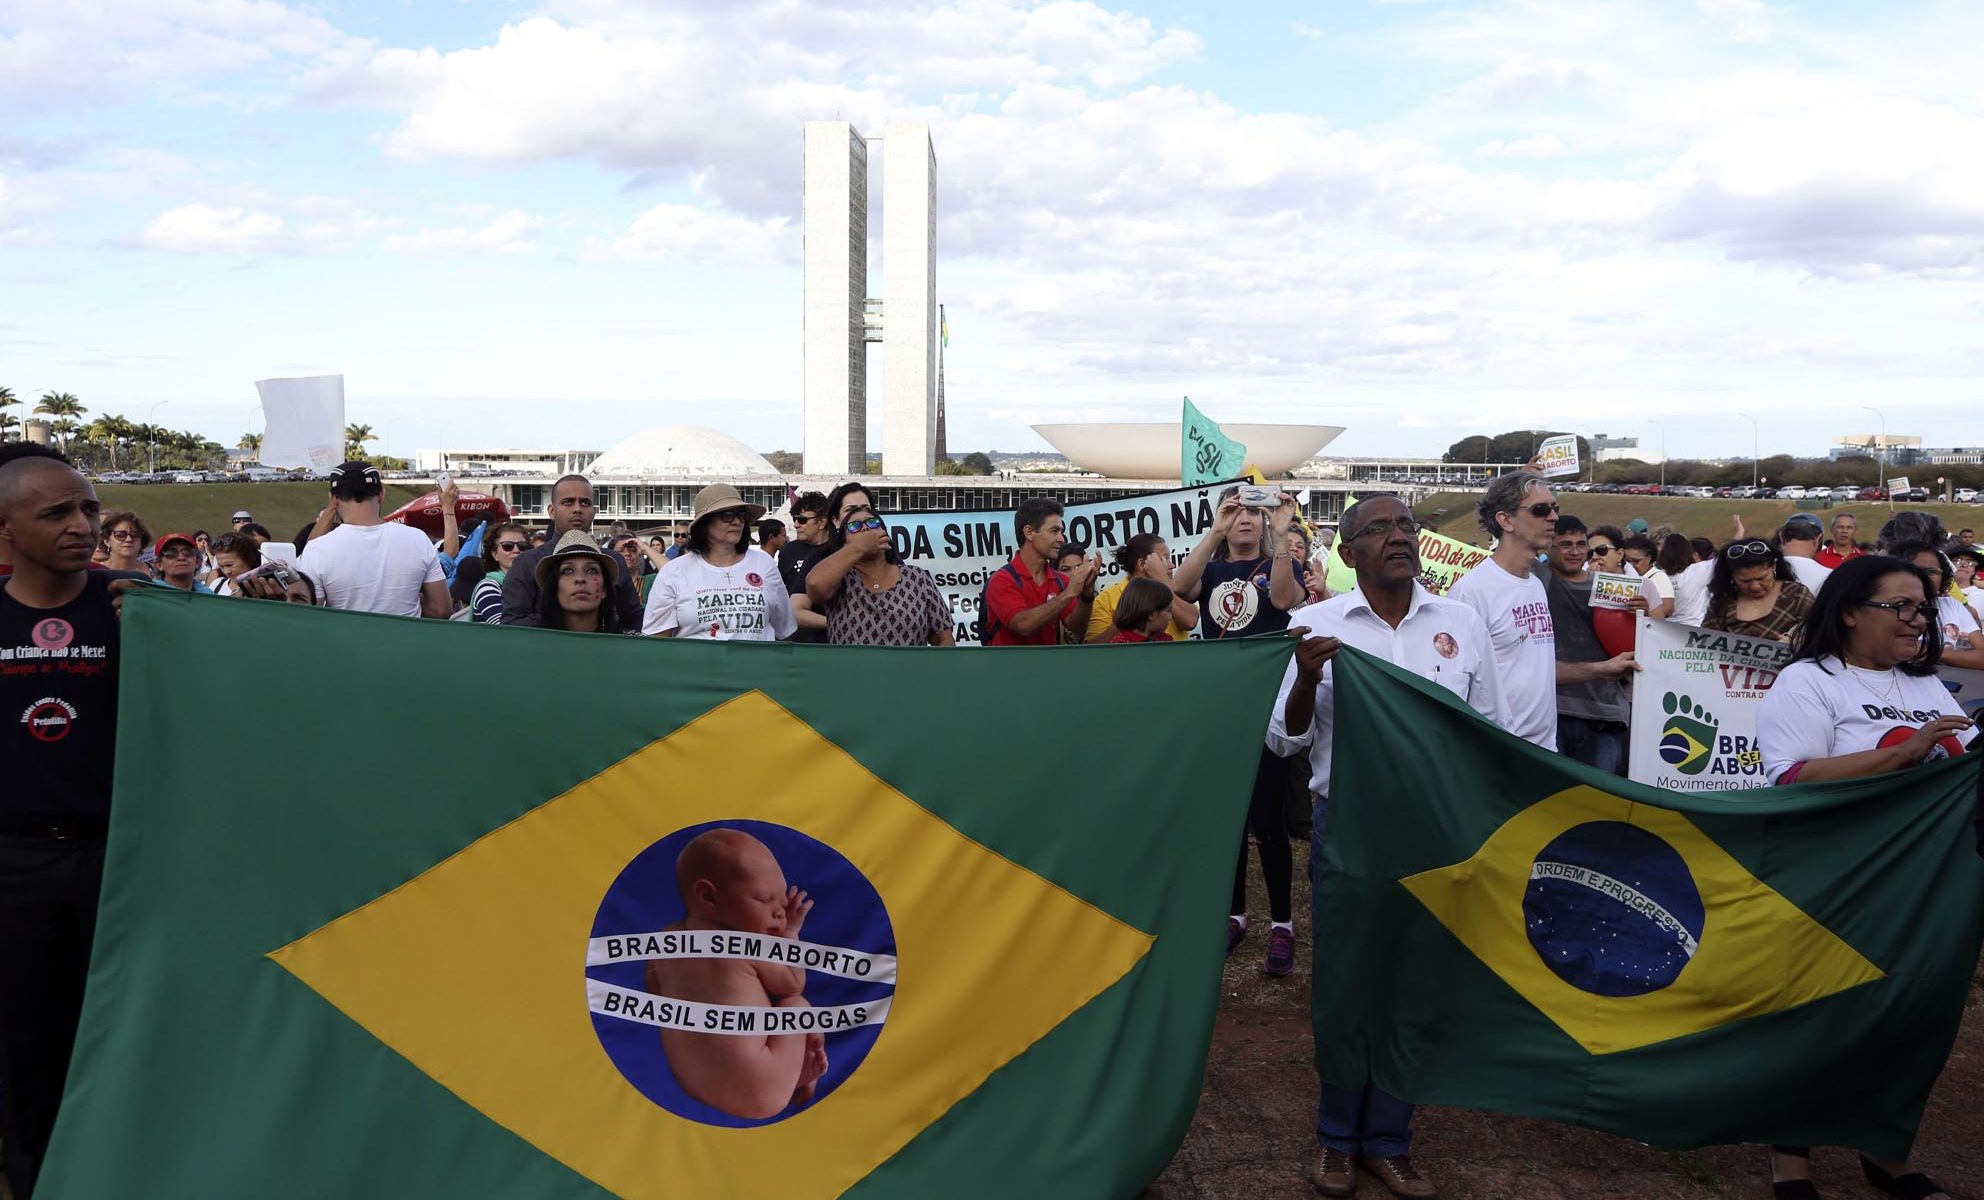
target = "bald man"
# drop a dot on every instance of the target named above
(58, 723)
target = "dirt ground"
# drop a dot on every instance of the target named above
(1254, 1133)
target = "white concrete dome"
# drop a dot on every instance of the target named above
(680, 452)
(1149, 450)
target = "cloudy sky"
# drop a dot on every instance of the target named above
(556, 223)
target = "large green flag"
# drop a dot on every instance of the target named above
(1504, 928)
(418, 909)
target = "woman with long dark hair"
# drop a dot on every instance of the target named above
(575, 585)
(869, 595)
(1860, 697)
(1963, 644)
(1753, 592)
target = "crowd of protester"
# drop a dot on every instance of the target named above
(1518, 639)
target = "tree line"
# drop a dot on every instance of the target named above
(1776, 470)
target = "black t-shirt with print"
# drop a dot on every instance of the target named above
(796, 559)
(58, 707)
(1234, 599)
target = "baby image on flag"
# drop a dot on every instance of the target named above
(732, 1010)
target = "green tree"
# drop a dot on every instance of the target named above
(355, 437)
(7, 421)
(251, 442)
(59, 404)
(979, 462)
(64, 430)
(787, 462)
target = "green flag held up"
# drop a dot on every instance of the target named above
(1206, 454)
(532, 934)
(1504, 928)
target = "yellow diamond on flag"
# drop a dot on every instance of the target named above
(1626, 925)
(475, 970)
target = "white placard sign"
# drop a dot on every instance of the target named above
(1558, 457)
(303, 421)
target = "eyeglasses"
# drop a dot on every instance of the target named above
(124, 535)
(1755, 546)
(1906, 611)
(1599, 548)
(513, 545)
(864, 525)
(179, 552)
(1404, 525)
(1542, 509)
(681, 537)
(808, 518)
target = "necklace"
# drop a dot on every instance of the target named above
(1860, 674)
(874, 585)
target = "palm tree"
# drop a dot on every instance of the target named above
(64, 429)
(6, 398)
(355, 437)
(59, 404)
(7, 421)
(251, 442)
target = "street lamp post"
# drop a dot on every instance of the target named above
(1756, 440)
(151, 449)
(1880, 452)
(1663, 452)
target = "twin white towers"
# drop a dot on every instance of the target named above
(841, 318)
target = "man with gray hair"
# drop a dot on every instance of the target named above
(1520, 512)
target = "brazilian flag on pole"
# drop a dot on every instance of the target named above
(417, 909)
(1503, 928)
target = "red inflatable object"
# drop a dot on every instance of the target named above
(1617, 629)
(424, 512)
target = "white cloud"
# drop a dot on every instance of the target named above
(1742, 20)
(507, 234)
(1542, 145)
(204, 229)
(682, 233)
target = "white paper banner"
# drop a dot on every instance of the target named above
(704, 943)
(737, 1020)
(1695, 702)
(303, 421)
(1557, 457)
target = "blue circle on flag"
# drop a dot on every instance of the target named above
(1612, 909)
(658, 975)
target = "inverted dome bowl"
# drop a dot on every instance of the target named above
(1149, 449)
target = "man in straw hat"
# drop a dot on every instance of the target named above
(571, 509)
(720, 587)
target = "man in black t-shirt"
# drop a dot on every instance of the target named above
(58, 722)
(807, 546)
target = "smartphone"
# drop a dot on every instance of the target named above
(442, 481)
(271, 569)
(1254, 495)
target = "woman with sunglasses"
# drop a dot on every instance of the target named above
(1859, 698)
(500, 548)
(722, 588)
(869, 595)
(125, 535)
(1753, 592)
(1963, 645)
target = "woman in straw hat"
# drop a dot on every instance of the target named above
(575, 585)
(720, 587)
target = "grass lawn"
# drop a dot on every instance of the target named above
(1452, 513)
(187, 507)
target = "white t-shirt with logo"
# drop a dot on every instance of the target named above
(1691, 593)
(1517, 614)
(1824, 708)
(1960, 627)
(1437, 639)
(372, 568)
(1810, 572)
(745, 601)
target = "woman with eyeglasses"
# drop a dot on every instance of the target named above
(1859, 698)
(1753, 592)
(1963, 645)
(869, 595)
(500, 548)
(126, 536)
(1145, 556)
(722, 588)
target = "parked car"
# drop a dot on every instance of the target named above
(1845, 492)
(1911, 495)
(1966, 496)
(1871, 493)
(1766, 493)
(1794, 492)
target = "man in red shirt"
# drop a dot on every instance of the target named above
(1842, 546)
(1027, 601)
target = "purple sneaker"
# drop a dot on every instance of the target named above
(1281, 951)
(1235, 934)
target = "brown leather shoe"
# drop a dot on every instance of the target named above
(1400, 1178)
(1336, 1173)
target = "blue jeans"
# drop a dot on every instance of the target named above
(1600, 744)
(1363, 1120)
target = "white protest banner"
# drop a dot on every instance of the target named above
(1557, 457)
(962, 549)
(1695, 701)
(1613, 591)
(1897, 483)
(303, 421)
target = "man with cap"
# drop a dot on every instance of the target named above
(1799, 543)
(720, 587)
(571, 509)
(176, 558)
(369, 564)
(241, 518)
(56, 749)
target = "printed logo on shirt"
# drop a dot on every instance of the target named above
(728, 612)
(754, 579)
(1235, 604)
(49, 719)
(1945, 747)
(54, 633)
(1533, 621)
(1444, 642)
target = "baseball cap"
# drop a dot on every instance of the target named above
(1636, 525)
(1805, 522)
(159, 546)
(356, 481)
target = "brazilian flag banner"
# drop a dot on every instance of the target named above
(417, 909)
(1503, 928)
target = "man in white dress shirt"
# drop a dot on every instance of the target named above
(1391, 616)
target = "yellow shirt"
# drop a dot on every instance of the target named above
(1102, 615)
